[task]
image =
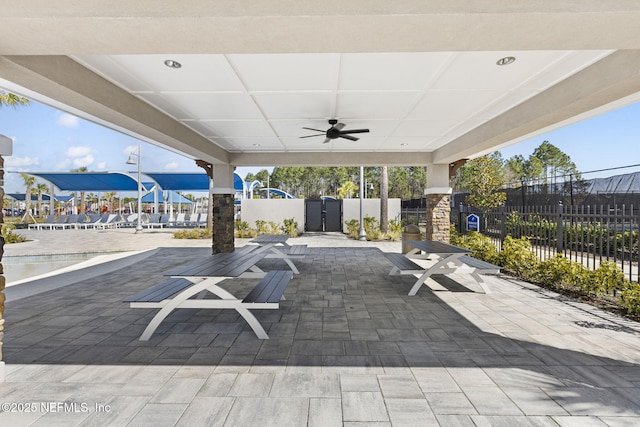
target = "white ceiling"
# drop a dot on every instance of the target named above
(416, 101)
(420, 74)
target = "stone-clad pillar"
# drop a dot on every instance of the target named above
(223, 208)
(221, 198)
(438, 193)
(438, 217)
(223, 211)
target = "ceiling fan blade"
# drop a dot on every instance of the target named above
(309, 136)
(354, 131)
(326, 141)
(352, 138)
(317, 130)
(339, 126)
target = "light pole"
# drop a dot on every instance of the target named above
(362, 234)
(132, 161)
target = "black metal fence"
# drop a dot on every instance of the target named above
(585, 234)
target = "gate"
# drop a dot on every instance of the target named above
(323, 215)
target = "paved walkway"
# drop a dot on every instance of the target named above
(347, 348)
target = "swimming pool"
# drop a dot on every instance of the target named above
(22, 267)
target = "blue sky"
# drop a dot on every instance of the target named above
(48, 140)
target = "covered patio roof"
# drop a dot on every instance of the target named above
(434, 81)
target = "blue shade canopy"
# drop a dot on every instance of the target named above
(172, 197)
(188, 181)
(181, 181)
(34, 197)
(91, 181)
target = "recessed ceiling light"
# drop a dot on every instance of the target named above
(172, 64)
(506, 60)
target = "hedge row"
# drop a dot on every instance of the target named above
(517, 258)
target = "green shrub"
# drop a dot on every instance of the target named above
(353, 228)
(558, 271)
(290, 227)
(630, 298)
(480, 245)
(604, 279)
(261, 227)
(9, 236)
(195, 233)
(395, 230)
(274, 228)
(242, 229)
(372, 228)
(518, 258)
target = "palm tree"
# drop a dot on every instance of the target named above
(41, 189)
(29, 182)
(83, 169)
(11, 99)
(109, 196)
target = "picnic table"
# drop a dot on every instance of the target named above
(204, 276)
(448, 259)
(276, 246)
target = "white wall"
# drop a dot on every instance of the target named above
(276, 210)
(370, 207)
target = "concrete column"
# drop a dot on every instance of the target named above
(223, 208)
(438, 193)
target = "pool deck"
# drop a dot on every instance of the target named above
(348, 347)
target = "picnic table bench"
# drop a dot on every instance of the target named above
(197, 279)
(277, 247)
(453, 259)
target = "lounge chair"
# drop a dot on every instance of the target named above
(161, 221)
(191, 220)
(60, 220)
(72, 222)
(108, 221)
(179, 221)
(91, 222)
(50, 219)
(202, 220)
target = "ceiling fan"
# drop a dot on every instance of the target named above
(335, 131)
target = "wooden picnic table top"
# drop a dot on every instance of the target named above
(434, 247)
(219, 265)
(266, 239)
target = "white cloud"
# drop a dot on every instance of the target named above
(171, 166)
(83, 161)
(102, 165)
(78, 151)
(14, 161)
(68, 121)
(63, 165)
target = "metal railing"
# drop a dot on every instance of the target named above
(585, 234)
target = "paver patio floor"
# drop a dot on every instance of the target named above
(347, 347)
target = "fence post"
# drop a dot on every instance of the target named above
(560, 236)
(460, 227)
(503, 228)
